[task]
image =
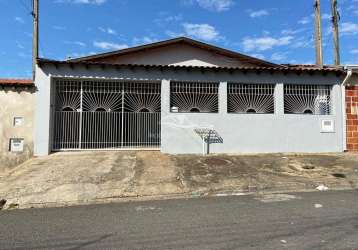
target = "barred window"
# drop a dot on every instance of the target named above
(307, 99)
(250, 98)
(191, 97)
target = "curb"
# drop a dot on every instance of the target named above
(187, 195)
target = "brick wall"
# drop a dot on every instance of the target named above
(352, 117)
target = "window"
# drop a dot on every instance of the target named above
(307, 99)
(250, 98)
(194, 97)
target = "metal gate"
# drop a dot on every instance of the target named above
(91, 114)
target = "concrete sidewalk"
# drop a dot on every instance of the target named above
(95, 177)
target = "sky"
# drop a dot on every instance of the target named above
(279, 31)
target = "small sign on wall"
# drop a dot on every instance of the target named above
(16, 145)
(327, 126)
(18, 121)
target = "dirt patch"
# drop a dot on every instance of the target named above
(89, 176)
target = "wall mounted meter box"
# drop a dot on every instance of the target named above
(327, 126)
(16, 145)
(18, 121)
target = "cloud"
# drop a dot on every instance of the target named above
(109, 31)
(259, 56)
(309, 19)
(349, 28)
(56, 27)
(258, 13)
(19, 45)
(201, 31)
(303, 42)
(354, 51)
(19, 19)
(326, 16)
(75, 43)
(23, 55)
(94, 2)
(265, 43)
(109, 45)
(212, 5)
(292, 31)
(174, 34)
(305, 20)
(143, 40)
(165, 18)
(279, 56)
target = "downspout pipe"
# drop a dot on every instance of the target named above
(348, 76)
(344, 113)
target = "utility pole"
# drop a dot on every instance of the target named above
(318, 33)
(35, 42)
(335, 20)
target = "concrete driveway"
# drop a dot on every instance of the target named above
(90, 177)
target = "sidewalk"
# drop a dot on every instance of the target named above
(95, 177)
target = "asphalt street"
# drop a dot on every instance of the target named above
(318, 220)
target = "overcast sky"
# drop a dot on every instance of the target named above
(280, 31)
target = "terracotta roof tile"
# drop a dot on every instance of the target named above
(16, 82)
(280, 68)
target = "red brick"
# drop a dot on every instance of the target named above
(352, 128)
(352, 141)
(352, 117)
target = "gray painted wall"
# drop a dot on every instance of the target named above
(241, 133)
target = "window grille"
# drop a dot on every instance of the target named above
(194, 97)
(142, 97)
(251, 98)
(307, 99)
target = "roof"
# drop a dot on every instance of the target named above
(16, 82)
(278, 68)
(179, 40)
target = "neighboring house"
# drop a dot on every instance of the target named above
(352, 109)
(17, 103)
(184, 96)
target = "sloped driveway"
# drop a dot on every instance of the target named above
(88, 177)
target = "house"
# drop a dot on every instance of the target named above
(183, 96)
(17, 103)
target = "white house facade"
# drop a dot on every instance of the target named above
(185, 97)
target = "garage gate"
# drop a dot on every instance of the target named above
(91, 114)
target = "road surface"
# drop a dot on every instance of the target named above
(318, 220)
